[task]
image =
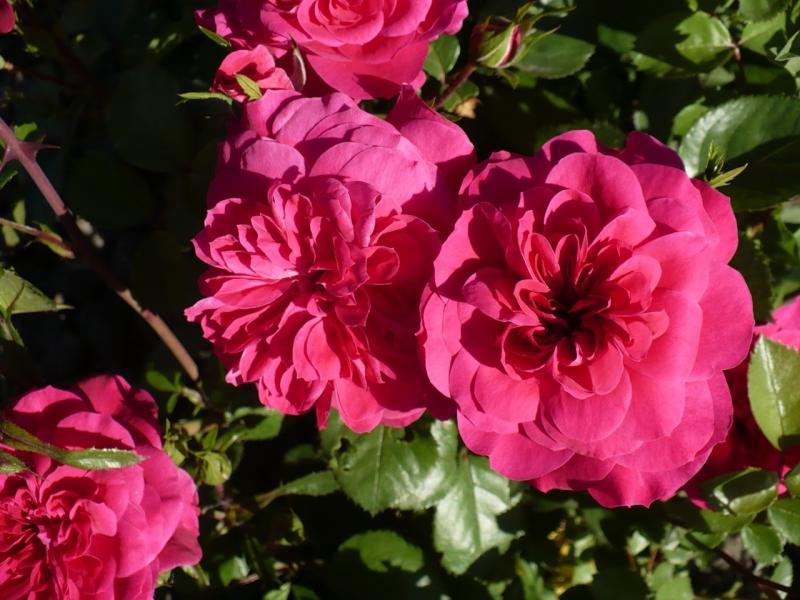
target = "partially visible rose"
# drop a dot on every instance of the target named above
(746, 445)
(581, 316)
(257, 65)
(7, 18)
(323, 227)
(366, 49)
(74, 534)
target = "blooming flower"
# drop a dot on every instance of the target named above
(257, 65)
(746, 445)
(7, 18)
(364, 49)
(323, 226)
(75, 534)
(582, 313)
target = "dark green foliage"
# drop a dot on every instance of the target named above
(121, 86)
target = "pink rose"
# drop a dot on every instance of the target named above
(366, 49)
(7, 18)
(75, 534)
(582, 313)
(258, 65)
(745, 445)
(321, 235)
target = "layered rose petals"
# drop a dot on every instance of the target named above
(75, 534)
(581, 315)
(364, 48)
(321, 236)
(746, 445)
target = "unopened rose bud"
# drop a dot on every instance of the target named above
(495, 42)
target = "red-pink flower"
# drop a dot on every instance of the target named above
(746, 445)
(79, 535)
(257, 65)
(366, 49)
(322, 232)
(582, 313)
(7, 18)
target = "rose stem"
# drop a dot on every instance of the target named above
(458, 79)
(85, 252)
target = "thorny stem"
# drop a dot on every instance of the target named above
(41, 235)
(85, 252)
(732, 562)
(456, 82)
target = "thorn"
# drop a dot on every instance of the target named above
(28, 149)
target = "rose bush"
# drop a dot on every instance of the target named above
(323, 226)
(257, 65)
(364, 49)
(7, 18)
(75, 534)
(746, 446)
(582, 313)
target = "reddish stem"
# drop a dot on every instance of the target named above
(85, 252)
(456, 82)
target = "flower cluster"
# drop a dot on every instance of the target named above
(75, 534)
(575, 307)
(364, 49)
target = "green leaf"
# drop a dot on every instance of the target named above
(556, 56)
(751, 261)
(465, 523)
(442, 57)
(190, 96)
(18, 296)
(99, 459)
(282, 593)
(383, 470)
(7, 174)
(91, 459)
(10, 464)
(215, 467)
(790, 50)
(320, 483)
(726, 177)
(233, 569)
(762, 543)
(738, 127)
(683, 44)
(382, 549)
(784, 572)
(745, 492)
(785, 517)
(214, 37)
(160, 382)
(774, 389)
(253, 424)
(249, 87)
(677, 588)
(462, 93)
(316, 484)
(759, 35)
(758, 10)
(531, 580)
